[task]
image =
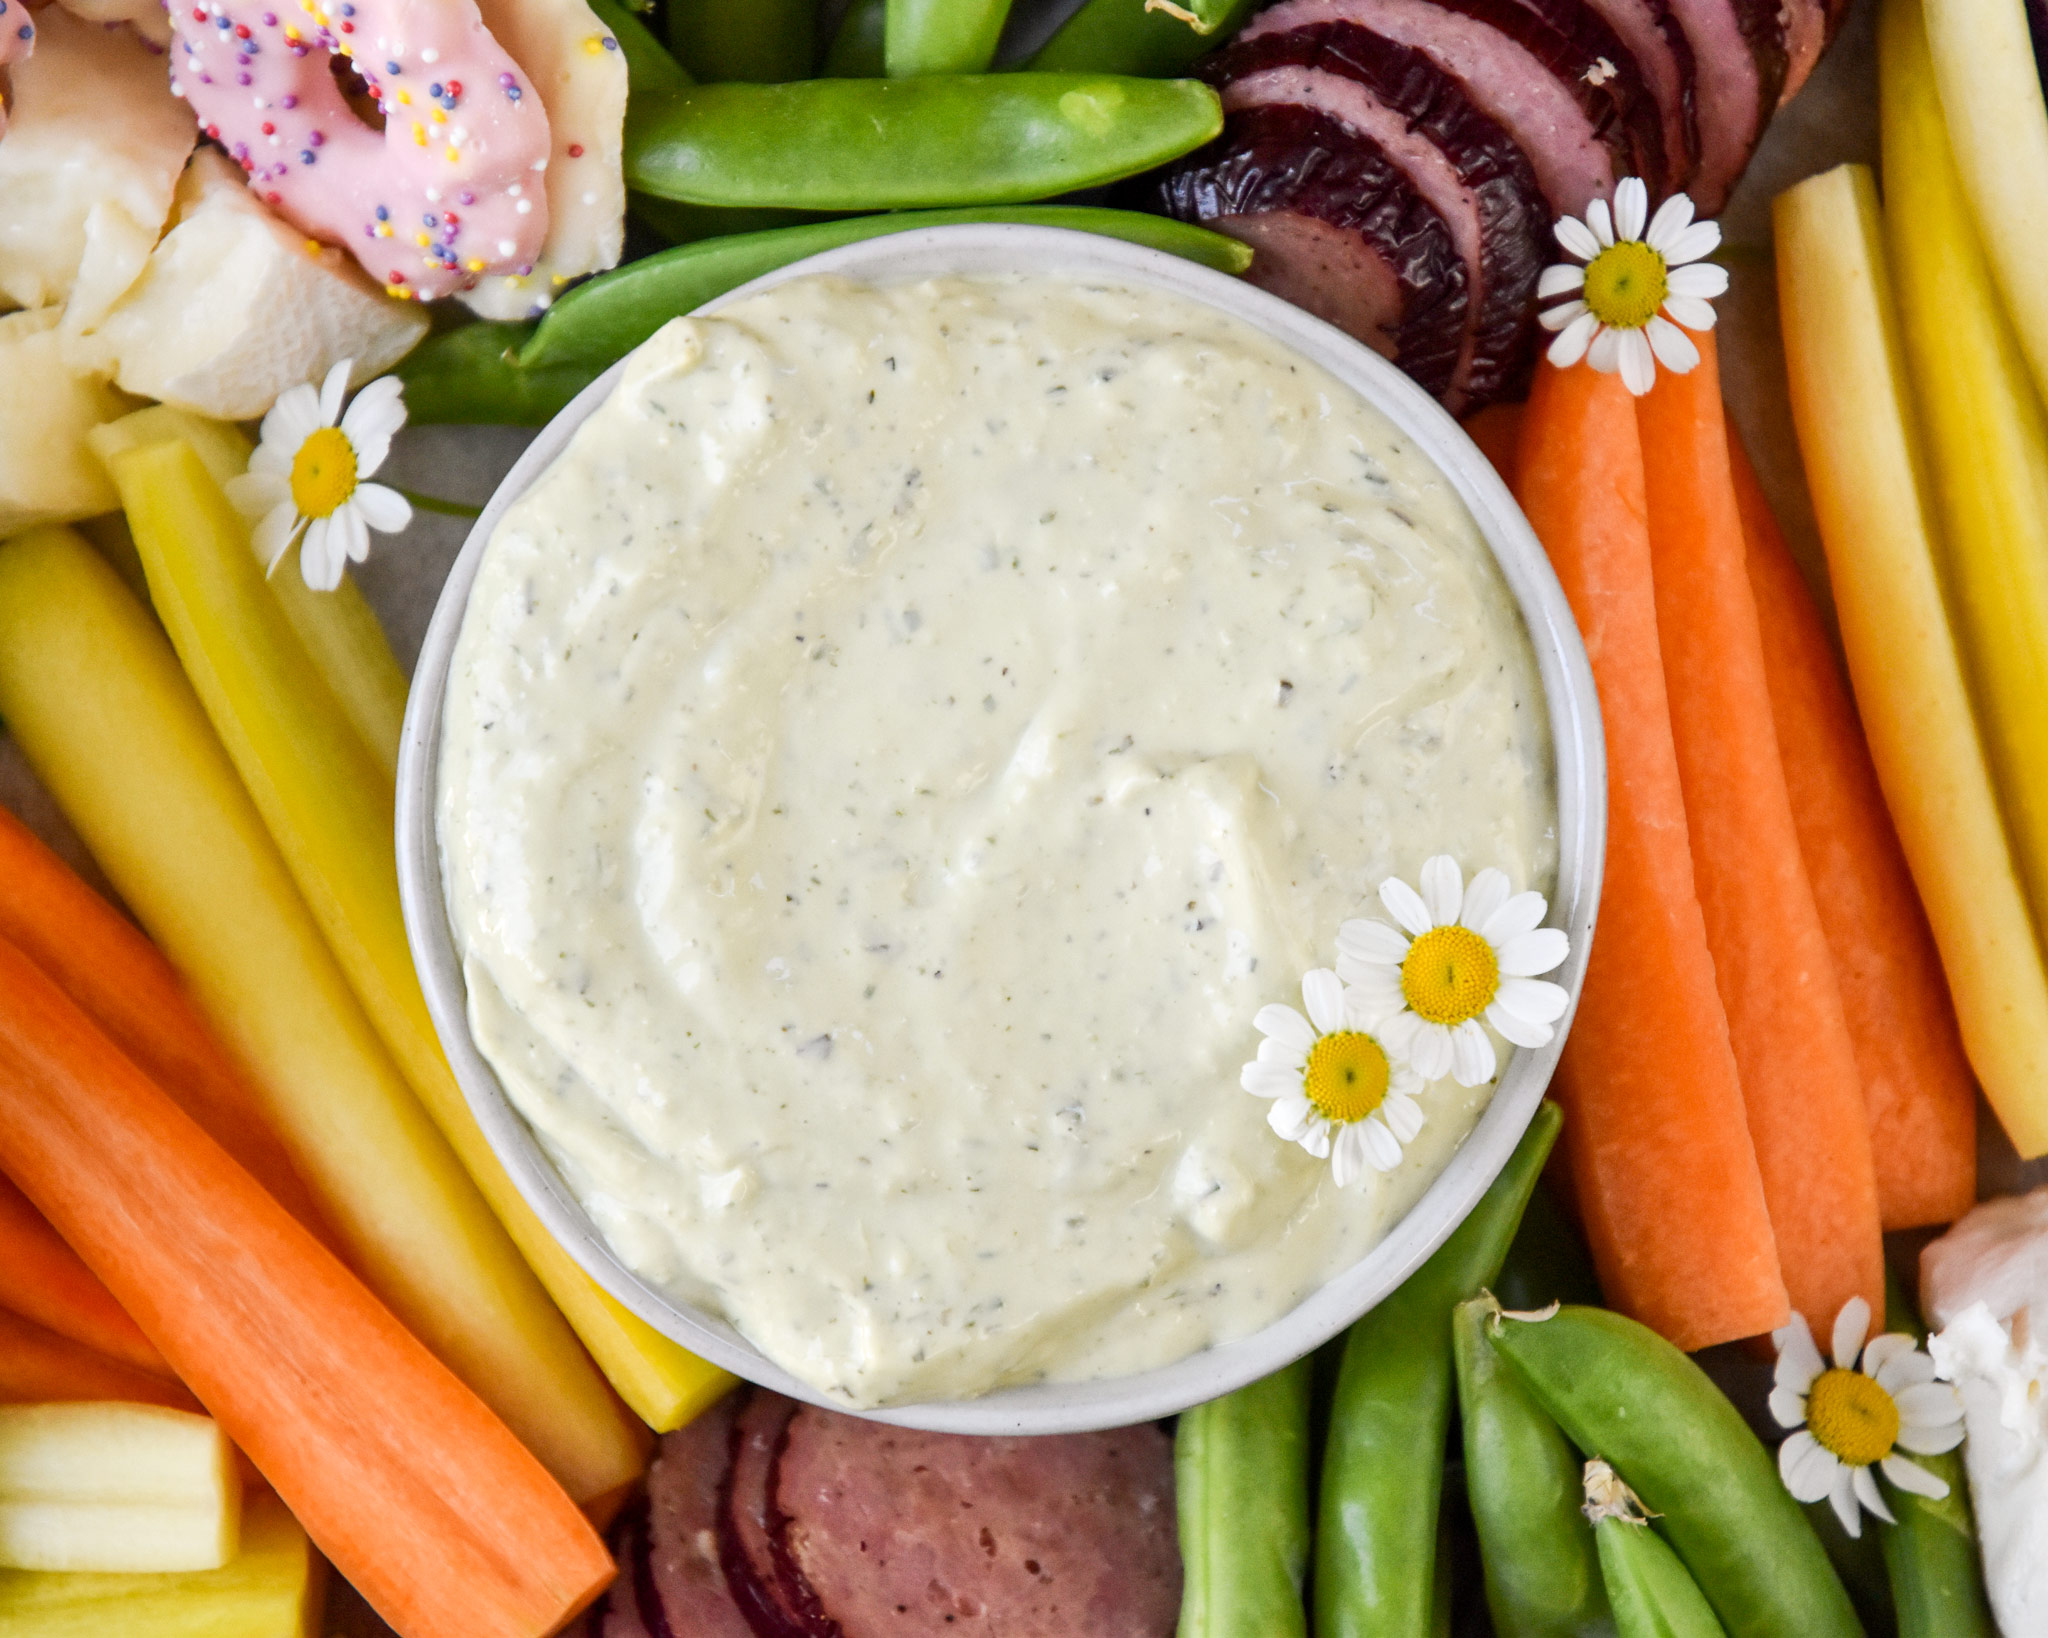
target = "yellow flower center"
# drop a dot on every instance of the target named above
(1347, 1076)
(1626, 284)
(1450, 974)
(323, 473)
(1852, 1417)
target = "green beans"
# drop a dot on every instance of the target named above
(473, 377)
(943, 36)
(1524, 1483)
(756, 40)
(1383, 1466)
(856, 50)
(1125, 37)
(608, 317)
(1240, 1467)
(1622, 1392)
(1651, 1593)
(947, 139)
(1548, 1261)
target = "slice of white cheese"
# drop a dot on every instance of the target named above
(47, 474)
(95, 143)
(580, 73)
(234, 307)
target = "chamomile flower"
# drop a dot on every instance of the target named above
(306, 476)
(1336, 1089)
(1461, 954)
(1850, 1419)
(1631, 290)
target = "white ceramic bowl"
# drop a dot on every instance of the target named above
(1057, 1407)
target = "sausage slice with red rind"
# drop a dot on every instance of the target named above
(682, 1570)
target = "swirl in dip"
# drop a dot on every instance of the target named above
(889, 758)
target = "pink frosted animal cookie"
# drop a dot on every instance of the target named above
(450, 191)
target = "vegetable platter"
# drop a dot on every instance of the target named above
(1747, 314)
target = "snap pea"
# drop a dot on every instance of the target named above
(473, 377)
(1383, 1465)
(1620, 1390)
(1548, 1261)
(946, 139)
(652, 73)
(856, 50)
(754, 40)
(1525, 1485)
(942, 36)
(607, 317)
(1652, 1594)
(1127, 37)
(1930, 1555)
(1240, 1468)
(1859, 1561)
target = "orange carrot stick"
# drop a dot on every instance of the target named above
(1776, 975)
(1661, 1160)
(39, 1367)
(1918, 1091)
(42, 1279)
(105, 964)
(1497, 430)
(419, 1495)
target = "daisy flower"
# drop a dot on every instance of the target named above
(1460, 954)
(1631, 290)
(1336, 1089)
(307, 474)
(1850, 1419)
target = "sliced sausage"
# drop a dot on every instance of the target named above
(1738, 50)
(1461, 161)
(1340, 230)
(905, 1534)
(746, 1545)
(1659, 46)
(684, 1579)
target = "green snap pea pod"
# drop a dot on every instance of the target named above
(676, 223)
(1930, 1555)
(652, 73)
(1240, 1468)
(607, 317)
(1619, 1389)
(1859, 1561)
(472, 377)
(1525, 1485)
(946, 139)
(942, 36)
(763, 41)
(1652, 1594)
(1383, 1464)
(856, 52)
(1548, 1261)
(1128, 37)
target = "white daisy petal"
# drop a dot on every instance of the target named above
(1638, 362)
(1702, 281)
(293, 419)
(1565, 313)
(354, 533)
(1558, 279)
(1799, 1361)
(1322, 996)
(1852, 1325)
(385, 510)
(1370, 995)
(322, 554)
(1578, 336)
(1535, 1000)
(1484, 895)
(1913, 1478)
(373, 420)
(1865, 1484)
(1403, 1117)
(254, 493)
(1673, 217)
(1601, 221)
(1895, 1373)
(1316, 1140)
(1372, 941)
(1842, 1498)
(1701, 239)
(272, 537)
(1516, 1030)
(1405, 905)
(1287, 1026)
(1788, 1409)
(333, 390)
(1538, 951)
(1631, 208)
(1930, 1441)
(1290, 1118)
(1382, 1148)
(1405, 1082)
(1673, 348)
(1347, 1155)
(1576, 238)
(1605, 353)
(1689, 311)
(1929, 1406)
(1272, 1051)
(1807, 1466)
(273, 460)
(1472, 1056)
(1521, 914)
(1429, 1048)
(1269, 1080)
(1443, 889)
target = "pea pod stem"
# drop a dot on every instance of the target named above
(987, 139)
(1619, 1389)
(1383, 1466)
(1649, 1589)
(1241, 1481)
(942, 36)
(603, 320)
(760, 41)
(1130, 37)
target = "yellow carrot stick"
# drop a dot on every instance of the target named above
(93, 694)
(1985, 437)
(329, 808)
(1863, 464)
(1998, 127)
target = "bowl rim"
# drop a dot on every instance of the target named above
(1580, 767)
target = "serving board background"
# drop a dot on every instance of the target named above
(1833, 121)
